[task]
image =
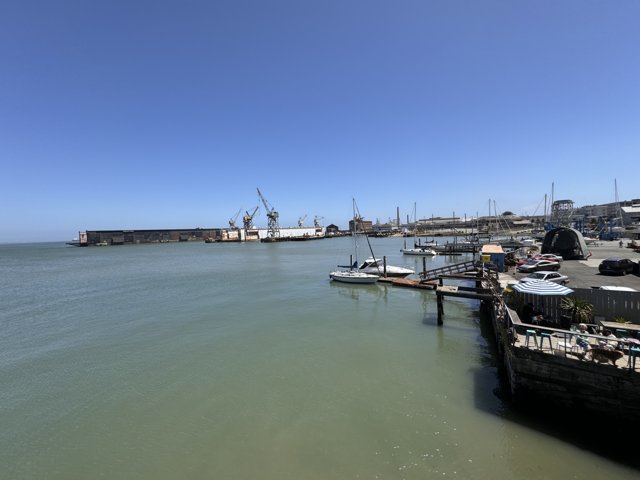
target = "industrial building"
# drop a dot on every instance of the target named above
(210, 235)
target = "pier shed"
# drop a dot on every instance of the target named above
(494, 254)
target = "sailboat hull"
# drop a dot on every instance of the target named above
(425, 252)
(375, 266)
(353, 277)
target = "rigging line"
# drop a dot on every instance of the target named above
(536, 210)
(501, 218)
(367, 237)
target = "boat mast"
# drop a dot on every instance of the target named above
(619, 212)
(355, 233)
(489, 221)
(358, 218)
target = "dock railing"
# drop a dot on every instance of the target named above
(606, 303)
(453, 269)
(573, 344)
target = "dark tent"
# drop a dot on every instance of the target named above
(566, 242)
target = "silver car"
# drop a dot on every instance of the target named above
(554, 277)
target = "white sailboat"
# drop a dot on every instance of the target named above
(425, 252)
(352, 275)
(421, 251)
(376, 266)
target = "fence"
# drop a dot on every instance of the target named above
(607, 304)
(610, 303)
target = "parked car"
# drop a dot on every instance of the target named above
(616, 288)
(554, 277)
(547, 256)
(538, 265)
(550, 256)
(616, 266)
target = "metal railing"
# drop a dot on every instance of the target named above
(573, 343)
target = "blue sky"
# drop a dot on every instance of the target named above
(169, 114)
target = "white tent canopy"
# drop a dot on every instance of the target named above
(541, 287)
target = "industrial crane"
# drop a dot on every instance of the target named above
(232, 221)
(273, 229)
(316, 221)
(247, 219)
(301, 220)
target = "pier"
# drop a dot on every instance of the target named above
(544, 365)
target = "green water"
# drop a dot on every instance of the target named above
(242, 361)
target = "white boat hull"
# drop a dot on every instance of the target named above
(376, 267)
(425, 252)
(353, 277)
(391, 271)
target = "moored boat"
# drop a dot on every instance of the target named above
(375, 266)
(422, 250)
(352, 276)
(425, 251)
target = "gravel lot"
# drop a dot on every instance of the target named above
(584, 273)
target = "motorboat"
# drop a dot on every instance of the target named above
(375, 266)
(353, 276)
(424, 251)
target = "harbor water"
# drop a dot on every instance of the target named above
(243, 361)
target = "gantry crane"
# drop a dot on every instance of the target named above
(316, 221)
(247, 219)
(301, 220)
(232, 220)
(273, 229)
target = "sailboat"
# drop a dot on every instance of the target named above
(377, 267)
(352, 275)
(417, 250)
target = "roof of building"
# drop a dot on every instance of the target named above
(631, 209)
(492, 249)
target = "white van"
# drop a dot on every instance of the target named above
(619, 289)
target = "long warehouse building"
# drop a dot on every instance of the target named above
(134, 237)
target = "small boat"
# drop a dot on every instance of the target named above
(425, 251)
(375, 266)
(353, 276)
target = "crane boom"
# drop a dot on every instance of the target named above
(232, 220)
(247, 219)
(272, 217)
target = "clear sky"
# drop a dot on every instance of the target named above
(169, 114)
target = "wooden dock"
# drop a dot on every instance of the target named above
(553, 373)
(409, 283)
(434, 280)
(457, 248)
